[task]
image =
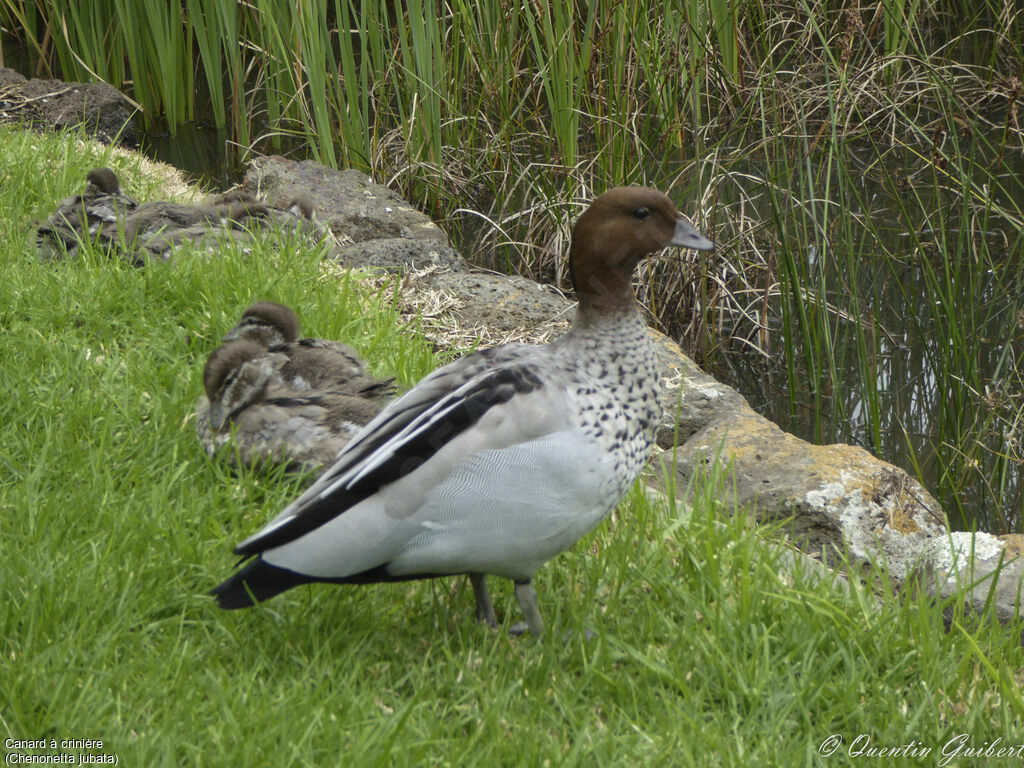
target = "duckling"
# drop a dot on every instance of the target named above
(266, 423)
(159, 216)
(241, 201)
(312, 363)
(81, 216)
(294, 215)
(233, 196)
(154, 229)
(242, 209)
(161, 246)
(308, 222)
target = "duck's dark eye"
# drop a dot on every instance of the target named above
(641, 213)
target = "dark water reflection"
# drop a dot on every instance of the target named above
(204, 154)
(939, 313)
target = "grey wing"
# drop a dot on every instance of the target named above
(503, 510)
(484, 518)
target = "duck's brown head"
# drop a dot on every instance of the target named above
(102, 181)
(619, 229)
(267, 323)
(236, 375)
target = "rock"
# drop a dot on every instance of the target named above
(836, 498)
(841, 503)
(987, 569)
(398, 254)
(101, 109)
(501, 303)
(692, 399)
(461, 310)
(350, 203)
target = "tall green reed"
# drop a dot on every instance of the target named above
(899, 20)
(948, 284)
(421, 34)
(353, 108)
(96, 42)
(159, 53)
(562, 48)
(215, 28)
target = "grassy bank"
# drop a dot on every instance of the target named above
(113, 524)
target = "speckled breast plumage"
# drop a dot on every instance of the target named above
(619, 393)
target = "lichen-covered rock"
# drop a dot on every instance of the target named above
(691, 399)
(836, 498)
(353, 206)
(988, 570)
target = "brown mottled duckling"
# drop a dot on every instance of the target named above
(80, 217)
(264, 422)
(312, 363)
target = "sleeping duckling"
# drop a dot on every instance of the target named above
(264, 422)
(312, 363)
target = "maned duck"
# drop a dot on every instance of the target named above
(312, 363)
(261, 422)
(498, 461)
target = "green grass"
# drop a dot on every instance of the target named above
(113, 524)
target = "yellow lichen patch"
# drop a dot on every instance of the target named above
(1014, 545)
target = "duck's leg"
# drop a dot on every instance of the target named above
(484, 606)
(527, 597)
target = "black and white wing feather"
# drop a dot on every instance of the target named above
(443, 408)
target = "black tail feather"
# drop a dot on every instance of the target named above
(259, 581)
(256, 582)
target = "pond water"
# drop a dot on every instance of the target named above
(941, 317)
(203, 153)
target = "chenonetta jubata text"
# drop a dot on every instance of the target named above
(311, 363)
(262, 422)
(80, 217)
(498, 461)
